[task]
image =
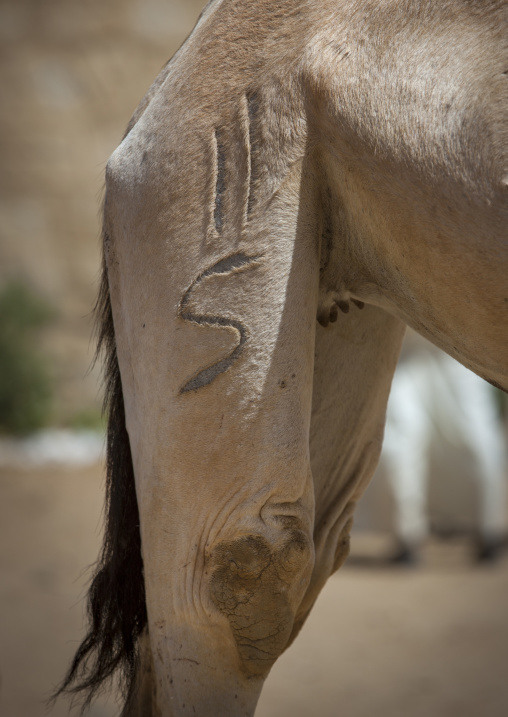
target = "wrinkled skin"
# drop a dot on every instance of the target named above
(345, 161)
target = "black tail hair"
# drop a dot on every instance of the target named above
(116, 604)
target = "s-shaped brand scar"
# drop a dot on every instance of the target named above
(229, 265)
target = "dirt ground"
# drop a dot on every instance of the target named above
(431, 641)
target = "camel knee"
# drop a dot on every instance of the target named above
(257, 585)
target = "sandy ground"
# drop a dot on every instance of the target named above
(381, 642)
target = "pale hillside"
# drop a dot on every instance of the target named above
(71, 73)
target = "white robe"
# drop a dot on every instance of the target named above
(433, 392)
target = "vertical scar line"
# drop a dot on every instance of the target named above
(252, 112)
(220, 183)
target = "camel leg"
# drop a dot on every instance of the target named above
(141, 701)
(354, 363)
(216, 350)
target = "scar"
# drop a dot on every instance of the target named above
(252, 112)
(220, 185)
(229, 265)
(327, 232)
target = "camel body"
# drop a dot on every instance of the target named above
(302, 180)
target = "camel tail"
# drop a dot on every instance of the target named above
(116, 606)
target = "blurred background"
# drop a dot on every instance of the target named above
(415, 624)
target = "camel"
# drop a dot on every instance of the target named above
(302, 181)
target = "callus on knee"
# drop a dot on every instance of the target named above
(257, 586)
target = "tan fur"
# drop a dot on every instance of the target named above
(295, 160)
